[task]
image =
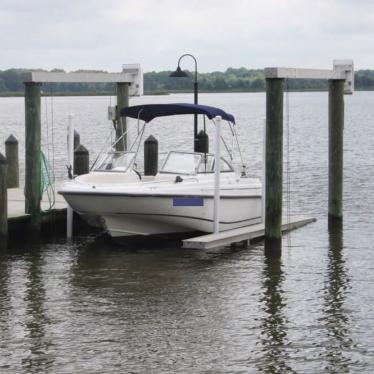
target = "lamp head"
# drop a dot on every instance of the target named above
(179, 73)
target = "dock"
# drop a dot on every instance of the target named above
(241, 234)
(18, 219)
(16, 203)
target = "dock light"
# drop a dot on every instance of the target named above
(179, 73)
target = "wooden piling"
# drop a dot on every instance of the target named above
(11, 153)
(274, 165)
(336, 128)
(3, 201)
(150, 156)
(122, 102)
(81, 160)
(32, 177)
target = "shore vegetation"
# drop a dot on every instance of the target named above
(159, 83)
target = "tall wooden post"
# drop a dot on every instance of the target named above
(3, 202)
(274, 166)
(11, 153)
(32, 178)
(336, 127)
(122, 101)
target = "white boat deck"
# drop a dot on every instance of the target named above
(16, 203)
(241, 234)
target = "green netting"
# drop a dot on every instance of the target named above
(47, 184)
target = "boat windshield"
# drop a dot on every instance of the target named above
(208, 162)
(192, 163)
(181, 163)
(115, 161)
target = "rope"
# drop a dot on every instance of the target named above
(288, 174)
(46, 123)
(47, 182)
(47, 174)
(52, 129)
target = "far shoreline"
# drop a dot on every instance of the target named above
(163, 93)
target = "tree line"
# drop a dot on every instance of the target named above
(231, 80)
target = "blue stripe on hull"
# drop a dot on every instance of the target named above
(188, 201)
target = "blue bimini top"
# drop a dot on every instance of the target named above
(150, 111)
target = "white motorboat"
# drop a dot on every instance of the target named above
(178, 199)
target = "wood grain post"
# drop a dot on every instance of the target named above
(32, 162)
(122, 102)
(3, 201)
(274, 166)
(11, 153)
(336, 129)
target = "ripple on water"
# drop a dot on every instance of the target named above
(93, 307)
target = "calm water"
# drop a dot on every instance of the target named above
(92, 307)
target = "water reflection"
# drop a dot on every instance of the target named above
(36, 322)
(101, 263)
(335, 318)
(4, 311)
(158, 306)
(273, 327)
(3, 243)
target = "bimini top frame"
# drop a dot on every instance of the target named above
(148, 112)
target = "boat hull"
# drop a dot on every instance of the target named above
(129, 215)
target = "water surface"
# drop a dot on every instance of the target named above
(93, 307)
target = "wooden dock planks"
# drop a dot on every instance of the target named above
(241, 234)
(16, 203)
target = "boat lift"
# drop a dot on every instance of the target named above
(341, 81)
(129, 83)
(242, 234)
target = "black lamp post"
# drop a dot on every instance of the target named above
(179, 73)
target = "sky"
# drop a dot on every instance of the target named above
(104, 34)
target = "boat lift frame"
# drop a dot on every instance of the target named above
(129, 83)
(341, 81)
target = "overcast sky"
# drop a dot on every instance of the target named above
(103, 34)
